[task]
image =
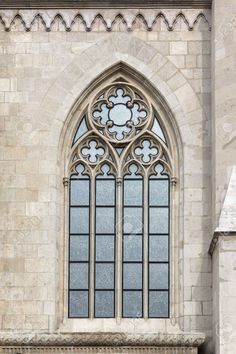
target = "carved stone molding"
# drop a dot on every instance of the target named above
(104, 4)
(112, 340)
(86, 20)
(95, 350)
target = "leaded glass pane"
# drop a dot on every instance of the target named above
(158, 220)
(105, 192)
(158, 248)
(105, 220)
(79, 248)
(133, 220)
(82, 129)
(78, 301)
(79, 276)
(104, 304)
(133, 194)
(79, 220)
(158, 276)
(132, 304)
(159, 192)
(79, 192)
(105, 247)
(158, 304)
(132, 275)
(104, 276)
(132, 248)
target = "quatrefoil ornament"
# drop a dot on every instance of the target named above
(146, 151)
(120, 112)
(93, 152)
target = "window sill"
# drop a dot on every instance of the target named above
(96, 339)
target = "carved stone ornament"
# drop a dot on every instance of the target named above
(87, 20)
(108, 340)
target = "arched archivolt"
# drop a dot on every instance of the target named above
(106, 145)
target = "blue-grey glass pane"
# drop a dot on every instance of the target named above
(105, 192)
(156, 128)
(120, 114)
(158, 172)
(132, 248)
(158, 248)
(105, 220)
(79, 220)
(133, 169)
(158, 220)
(78, 276)
(79, 248)
(132, 304)
(133, 220)
(158, 304)
(105, 248)
(132, 275)
(146, 151)
(81, 130)
(104, 276)
(158, 276)
(78, 304)
(159, 192)
(104, 304)
(133, 192)
(80, 192)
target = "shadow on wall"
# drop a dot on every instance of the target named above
(207, 347)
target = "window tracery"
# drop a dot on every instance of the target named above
(120, 168)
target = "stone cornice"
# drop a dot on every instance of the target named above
(68, 20)
(99, 340)
(79, 4)
(215, 239)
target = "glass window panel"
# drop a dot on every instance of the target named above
(82, 129)
(132, 304)
(158, 248)
(158, 304)
(105, 220)
(132, 275)
(156, 128)
(158, 220)
(78, 304)
(79, 192)
(159, 192)
(104, 304)
(79, 220)
(158, 276)
(105, 248)
(79, 248)
(105, 192)
(79, 276)
(133, 220)
(104, 276)
(133, 192)
(132, 248)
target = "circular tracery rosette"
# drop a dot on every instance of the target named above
(120, 112)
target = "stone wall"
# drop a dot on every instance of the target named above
(46, 62)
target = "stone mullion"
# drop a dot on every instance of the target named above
(92, 246)
(145, 246)
(119, 244)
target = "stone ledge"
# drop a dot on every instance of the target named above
(112, 340)
(215, 239)
(32, 4)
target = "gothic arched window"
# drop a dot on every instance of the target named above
(119, 208)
